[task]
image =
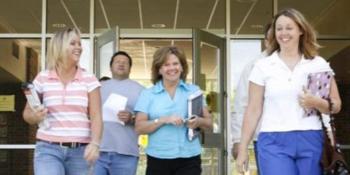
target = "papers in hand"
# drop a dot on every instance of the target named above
(112, 106)
(319, 85)
(195, 108)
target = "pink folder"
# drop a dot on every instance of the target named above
(319, 84)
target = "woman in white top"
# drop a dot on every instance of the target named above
(289, 143)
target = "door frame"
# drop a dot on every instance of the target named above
(211, 140)
(214, 140)
(111, 35)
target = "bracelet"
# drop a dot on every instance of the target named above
(95, 143)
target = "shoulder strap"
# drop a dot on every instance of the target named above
(331, 124)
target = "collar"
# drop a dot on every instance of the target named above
(78, 75)
(277, 59)
(158, 87)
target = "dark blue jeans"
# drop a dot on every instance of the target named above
(111, 163)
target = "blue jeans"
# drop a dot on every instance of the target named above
(111, 163)
(56, 160)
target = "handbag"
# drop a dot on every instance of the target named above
(333, 161)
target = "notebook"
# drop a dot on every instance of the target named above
(195, 107)
(319, 84)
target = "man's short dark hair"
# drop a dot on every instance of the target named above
(120, 53)
(104, 78)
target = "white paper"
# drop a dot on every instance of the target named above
(112, 106)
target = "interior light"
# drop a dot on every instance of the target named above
(257, 26)
(59, 25)
(246, 1)
(158, 26)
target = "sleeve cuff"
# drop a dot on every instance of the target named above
(234, 141)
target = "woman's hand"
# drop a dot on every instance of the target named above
(194, 122)
(34, 116)
(40, 114)
(307, 100)
(173, 120)
(92, 152)
(242, 159)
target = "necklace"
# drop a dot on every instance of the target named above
(290, 62)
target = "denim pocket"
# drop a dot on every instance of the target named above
(39, 148)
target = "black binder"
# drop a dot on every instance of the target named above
(195, 108)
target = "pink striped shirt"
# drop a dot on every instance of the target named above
(67, 106)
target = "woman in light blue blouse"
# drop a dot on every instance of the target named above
(161, 112)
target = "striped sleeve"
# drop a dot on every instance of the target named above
(92, 82)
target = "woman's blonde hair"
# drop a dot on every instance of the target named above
(160, 57)
(307, 44)
(57, 51)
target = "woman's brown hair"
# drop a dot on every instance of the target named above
(308, 45)
(160, 57)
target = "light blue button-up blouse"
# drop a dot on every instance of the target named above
(168, 141)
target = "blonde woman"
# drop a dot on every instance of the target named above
(70, 140)
(289, 143)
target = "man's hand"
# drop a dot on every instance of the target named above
(124, 116)
(234, 150)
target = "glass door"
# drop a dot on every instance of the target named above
(106, 45)
(209, 74)
(19, 63)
